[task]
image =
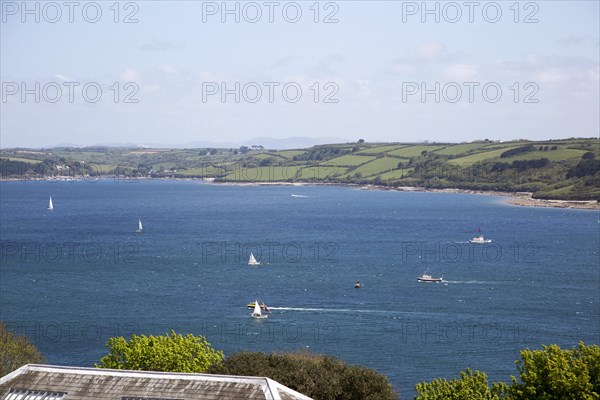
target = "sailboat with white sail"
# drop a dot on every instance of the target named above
(140, 228)
(50, 205)
(262, 305)
(257, 313)
(252, 260)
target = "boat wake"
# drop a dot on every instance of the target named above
(471, 282)
(396, 314)
(299, 195)
(341, 310)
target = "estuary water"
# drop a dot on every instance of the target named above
(73, 277)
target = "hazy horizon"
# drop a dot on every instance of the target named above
(282, 143)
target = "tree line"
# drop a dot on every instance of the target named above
(550, 373)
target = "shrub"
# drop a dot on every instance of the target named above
(16, 351)
(170, 353)
(319, 377)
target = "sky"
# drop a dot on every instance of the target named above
(184, 72)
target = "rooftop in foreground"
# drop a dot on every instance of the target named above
(49, 382)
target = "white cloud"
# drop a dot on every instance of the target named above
(575, 40)
(280, 62)
(551, 75)
(402, 68)
(158, 45)
(432, 51)
(425, 55)
(63, 78)
(461, 71)
(130, 75)
(364, 86)
(325, 65)
(168, 69)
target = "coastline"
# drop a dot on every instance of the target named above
(523, 199)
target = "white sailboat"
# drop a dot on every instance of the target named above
(140, 228)
(262, 305)
(257, 313)
(252, 260)
(50, 205)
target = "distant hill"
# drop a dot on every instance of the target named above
(567, 169)
(295, 142)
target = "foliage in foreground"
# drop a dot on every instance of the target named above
(316, 376)
(471, 385)
(548, 374)
(16, 351)
(554, 373)
(170, 353)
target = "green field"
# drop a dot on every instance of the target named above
(349, 160)
(552, 155)
(262, 156)
(208, 171)
(26, 160)
(472, 159)
(396, 174)
(460, 148)
(377, 166)
(164, 166)
(380, 149)
(289, 154)
(413, 151)
(322, 172)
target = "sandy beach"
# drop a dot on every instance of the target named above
(524, 199)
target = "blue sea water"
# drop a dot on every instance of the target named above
(73, 277)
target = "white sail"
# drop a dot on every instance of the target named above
(50, 205)
(252, 260)
(140, 224)
(257, 312)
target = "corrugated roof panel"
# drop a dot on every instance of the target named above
(105, 384)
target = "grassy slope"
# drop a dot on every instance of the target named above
(554, 155)
(413, 151)
(380, 149)
(460, 149)
(349, 160)
(371, 161)
(376, 167)
(289, 154)
(27, 160)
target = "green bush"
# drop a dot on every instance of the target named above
(16, 351)
(471, 386)
(170, 353)
(548, 374)
(556, 374)
(319, 377)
